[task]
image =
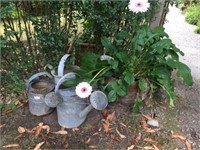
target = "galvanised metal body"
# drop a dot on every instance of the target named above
(37, 89)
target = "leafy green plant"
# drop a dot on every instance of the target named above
(106, 18)
(148, 54)
(197, 30)
(192, 14)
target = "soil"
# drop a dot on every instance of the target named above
(182, 119)
(115, 127)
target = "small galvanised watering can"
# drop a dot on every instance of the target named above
(37, 89)
(71, 109)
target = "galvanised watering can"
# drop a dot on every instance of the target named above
(71, 109)
(61, 68)
(37, 89)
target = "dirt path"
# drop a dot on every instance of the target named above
(183, 36)
(185, 117)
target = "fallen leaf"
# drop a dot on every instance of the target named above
(148, 140)
(21, 129)
(123, 124)
(96, 133)
(88, 139)
(62, 132)
(31, 131)
(106, 126)
(46, 127)
(37, 147)
(75, 129)
(92, 146)
(131, 147)
(38, 130)
(139, 136)
(121, 135)
(148, 117)
(176, 135)
(2, 125)
(188, 144)
(111, 116)
(114, 137)
(19, 136)
(149, 130)
(18, 103)
(11, 145)
(155, 147)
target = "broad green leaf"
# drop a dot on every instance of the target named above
(122, 56)
(142, 84)
(121, 92)
(173, 54)
(129, 77)
(107, 44)
(161, 45)
(114, 86)
(114, 63)
(160, 31)
(112, 96)
(162, 77)
(182, 71)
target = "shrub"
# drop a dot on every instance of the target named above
(192, 14)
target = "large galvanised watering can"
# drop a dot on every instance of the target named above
(37, 88)
(61, 68)
(71, 109)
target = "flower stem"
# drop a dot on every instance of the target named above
(98, 74)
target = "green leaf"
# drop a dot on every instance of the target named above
(161, 45)
(173, 54)
(112, 97)
(129, 77)
(160, 31)
(107, 44)
(162, 77)
(182, 71)
(114, 63)
(114, 85)
(142, 85)
(122, 90)
(122, 56)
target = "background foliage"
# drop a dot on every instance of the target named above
(35, 33)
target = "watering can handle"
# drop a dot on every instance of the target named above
(67, 76)
(37, 75)
(61, 65)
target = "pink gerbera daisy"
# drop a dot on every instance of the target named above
(138, 5)
(83, 90)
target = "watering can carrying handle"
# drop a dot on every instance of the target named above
(37, 75)
(67, 76)
(62, 65)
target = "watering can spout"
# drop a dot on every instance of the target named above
(84, 112)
